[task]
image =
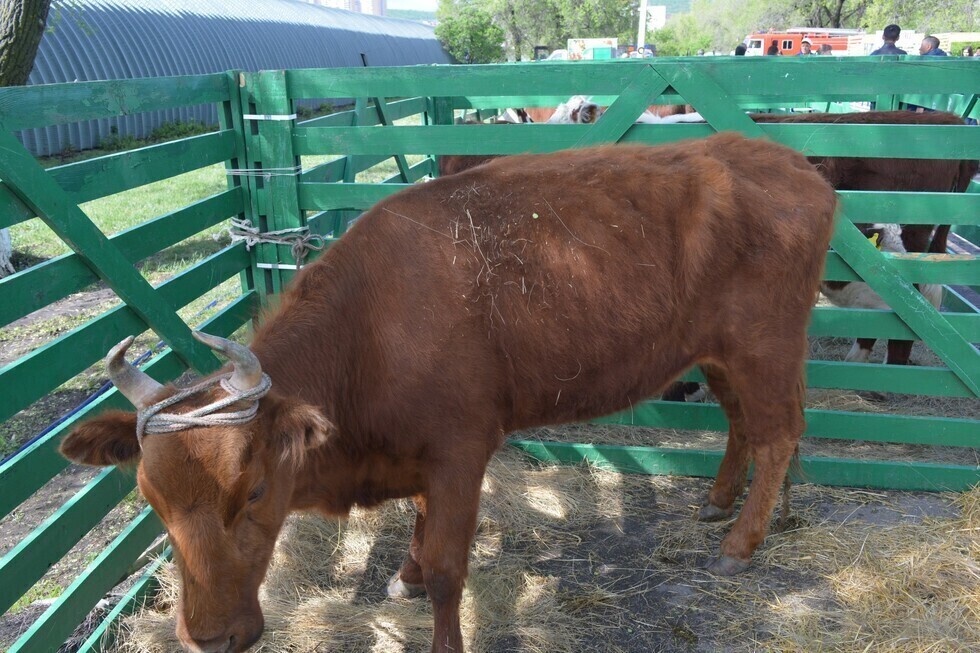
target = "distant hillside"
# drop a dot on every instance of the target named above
(412, 14)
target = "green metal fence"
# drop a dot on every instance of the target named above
(272, 184)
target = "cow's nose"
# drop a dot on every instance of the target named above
(222, 644)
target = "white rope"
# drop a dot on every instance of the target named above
(151, 420)
(265, 173)
(299, 239)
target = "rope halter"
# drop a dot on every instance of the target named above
(152, 420)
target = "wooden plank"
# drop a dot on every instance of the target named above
(31, 289)
(38, 190)
(23, 107)
(106, 175)
(745, 79)
(104, 634)
(916, 268)
(329, 197)
(693, 462)
(903, 379)
(34, 555)
(911, 208)
(397, 109)
(31, 468)
(333, 170)
(880, 273)
(59, 621)
(707, 97)
(870, 323)
(621, 115)
(850, 425)
(32, 376)
(902, 141)
(381, 106)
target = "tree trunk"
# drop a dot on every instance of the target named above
(21, 28)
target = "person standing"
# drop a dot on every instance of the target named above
(930, 48)
(773, 49)
(890, 37)
(806, 49)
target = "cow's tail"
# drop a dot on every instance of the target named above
(939, 238)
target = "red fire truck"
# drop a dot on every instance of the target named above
(790, 41)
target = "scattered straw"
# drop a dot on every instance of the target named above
(579, 559)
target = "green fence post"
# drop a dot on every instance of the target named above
(269, 123)
(231, 117)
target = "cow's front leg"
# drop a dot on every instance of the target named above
(408, 583)
(452, 504)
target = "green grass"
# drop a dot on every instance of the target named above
(44, 589)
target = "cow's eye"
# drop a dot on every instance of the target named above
(256, 493)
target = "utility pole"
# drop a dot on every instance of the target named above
(641, 32)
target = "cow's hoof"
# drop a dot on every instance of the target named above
(399, 589)
(727, 566)
(714, 513)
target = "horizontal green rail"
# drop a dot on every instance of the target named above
(913, 476)
(34, 555)
(870, 323)
(59, 621)
(954, 269)
(114, 173)
(36, 287)
(850, 425)
(911, 208)
(27, 107)
(740, 79)
(369, 116)
(104, 634)
(31, 468)
(31, 377)
(876, 141)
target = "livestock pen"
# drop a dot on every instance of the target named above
(284, 174)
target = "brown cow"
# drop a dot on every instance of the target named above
(878, 174)
(524, 292)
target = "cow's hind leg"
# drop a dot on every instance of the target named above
(773, 424)
(452, 503)
(407, 583)
(730, 481)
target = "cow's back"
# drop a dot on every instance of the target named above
(555, 287)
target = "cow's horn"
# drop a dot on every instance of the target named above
(133, 383)
(248, 370)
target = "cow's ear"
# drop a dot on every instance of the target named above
(109, 439)
(299, 427)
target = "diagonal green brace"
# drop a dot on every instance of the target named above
(622, 114)
(39, 191)
(711, 101)
(381, 104)
(922, 317)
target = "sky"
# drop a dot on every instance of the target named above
(421, 5)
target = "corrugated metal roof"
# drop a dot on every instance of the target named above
(120, 39)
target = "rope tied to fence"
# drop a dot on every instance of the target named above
(299, 239)
(152, 420)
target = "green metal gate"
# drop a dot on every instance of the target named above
(264, 149)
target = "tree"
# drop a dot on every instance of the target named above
(468, 32)
(21, 28)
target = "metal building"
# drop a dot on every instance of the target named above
(121, 39)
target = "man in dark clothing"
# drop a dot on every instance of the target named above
(890, 36)
(740, 50)
(930, 47)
